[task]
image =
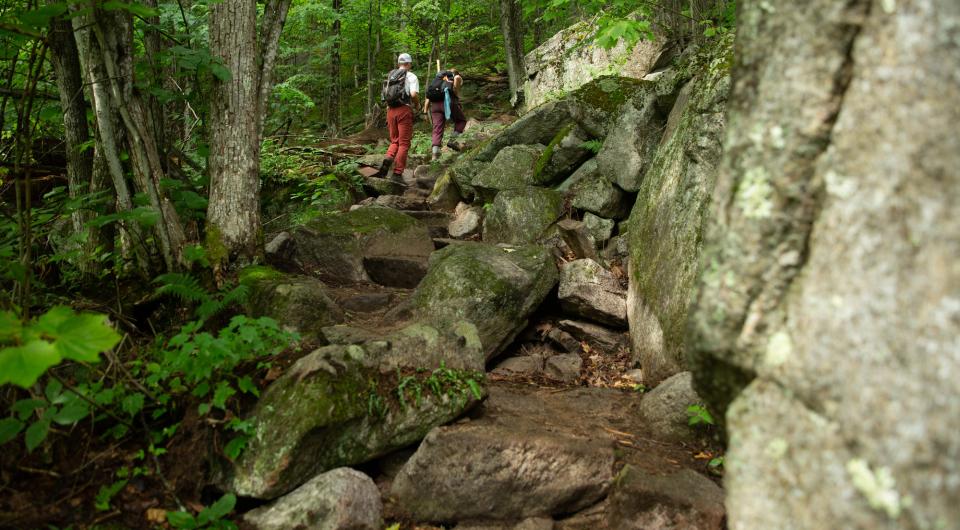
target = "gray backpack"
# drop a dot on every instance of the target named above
(395, 88)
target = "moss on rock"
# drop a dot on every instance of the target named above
(522, 215)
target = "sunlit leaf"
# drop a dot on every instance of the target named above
(25, 364)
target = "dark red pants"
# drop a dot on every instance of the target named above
(400, 125)
(439, 120)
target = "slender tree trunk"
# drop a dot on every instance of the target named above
(237, 112)
(334, 113)
(66, 67)
(370, 74)
(510, 25)
(108, 137)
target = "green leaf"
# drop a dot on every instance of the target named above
(475, 388)
(246, 385)
(223, 392)
(36, 433)
(221, 72)
(25, 407)
(72, 412)
(139, 10)
(84, 336)
(181, 520)
(54, 392)
(233, 448)
(217, 510)
(23, 365)
(10, 428)
(106, 493)
(41, 16)
(9, 326)
(132, 404)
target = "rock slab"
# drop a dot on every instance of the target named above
(340, 499)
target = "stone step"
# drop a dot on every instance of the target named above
(430, 218)
(441, 242)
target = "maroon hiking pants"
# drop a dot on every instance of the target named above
(440, 122)
(400, 126)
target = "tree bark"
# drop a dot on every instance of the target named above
(334, 112)
(511, 24)
(66, 67)
(238, 107)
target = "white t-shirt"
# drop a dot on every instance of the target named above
(413, 84)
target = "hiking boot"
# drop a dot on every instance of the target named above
(384, 168)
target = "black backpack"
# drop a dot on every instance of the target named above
(435, 90)
(395, 88)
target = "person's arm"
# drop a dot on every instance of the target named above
(457, 83)
(415, 100)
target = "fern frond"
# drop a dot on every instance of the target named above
(183, 286)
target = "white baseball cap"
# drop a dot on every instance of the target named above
(404, 58)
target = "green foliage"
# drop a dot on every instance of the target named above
(28, 349)
(593, 146)
(188, 289)
(106, 494)
(699, 415)
(211, 517)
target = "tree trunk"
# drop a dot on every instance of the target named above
(238, 107)
(510, 25)
(335, 70)
(66, 68)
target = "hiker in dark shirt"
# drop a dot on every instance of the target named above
(443, 96)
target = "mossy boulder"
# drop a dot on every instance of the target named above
(600, 229)
(568, 60)
(493, 287)
(298, 303)
(539, 126)
(594, 193)
(629, 148)
(347, 404)
(522, 215)
(596, 106)
(666, 225)
(563, 155)
(462, 174)
(334, 247)
(513, 167)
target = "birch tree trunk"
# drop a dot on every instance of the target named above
(238, 107)
(511, 24)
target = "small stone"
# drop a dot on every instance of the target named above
(564, 340)
(665, 408)
(635, 375)
(367, 302)
(683, 500)
(599, 228)
(467, 221)
(577, 237)
(523, 365)
(564, 367)
(598, 337)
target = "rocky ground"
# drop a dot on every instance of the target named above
(477, 369)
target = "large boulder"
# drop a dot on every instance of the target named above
(666, 225)
(568, 60)
(632, 141)
(590, 291)
(539, 126)
(830, 274)
(512, 168)
(493, 287)
(596, 194)
(298, 303)
(341, 499)
(335, 247)
(347, 404)
(531, 453)
(522, 215)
